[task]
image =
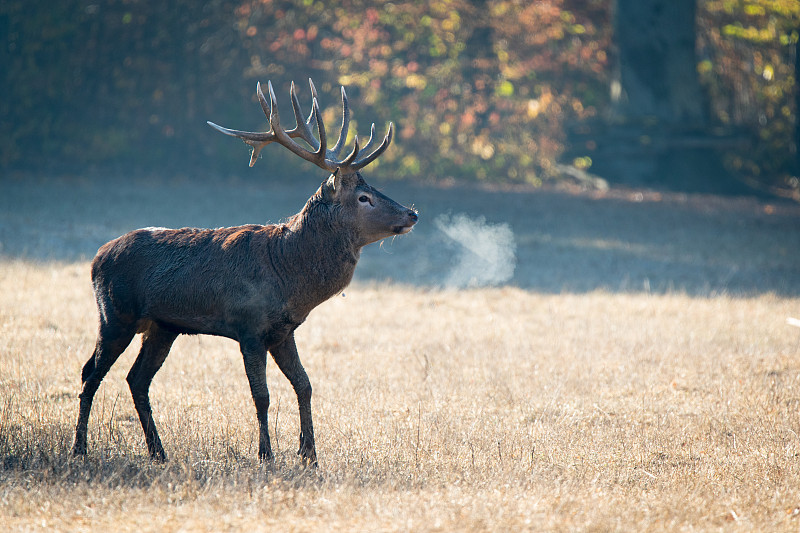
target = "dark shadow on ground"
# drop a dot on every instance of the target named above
(624, 240)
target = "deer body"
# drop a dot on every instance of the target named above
(226, 282)
(254, 284)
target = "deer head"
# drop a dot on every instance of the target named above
(372, 215)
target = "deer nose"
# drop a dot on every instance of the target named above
(413, 215)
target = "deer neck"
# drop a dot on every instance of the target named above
(322, 251)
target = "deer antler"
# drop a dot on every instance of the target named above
(319, 154)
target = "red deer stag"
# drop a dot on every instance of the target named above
(254, 284)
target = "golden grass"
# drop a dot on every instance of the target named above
(491, 409)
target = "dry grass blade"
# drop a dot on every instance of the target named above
(599, 411)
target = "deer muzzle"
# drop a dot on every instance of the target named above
(411, 218)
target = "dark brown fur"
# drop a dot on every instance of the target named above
(254, 284)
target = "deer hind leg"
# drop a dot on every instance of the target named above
(156, 343)
(255, 366)
(287, 359)
(112, 340)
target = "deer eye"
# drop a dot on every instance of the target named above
(363, 198)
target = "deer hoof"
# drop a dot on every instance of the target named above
(79, 450)
(159, 457)
(308, 453)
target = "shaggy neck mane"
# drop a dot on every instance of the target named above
(320, 220)
(321, 249)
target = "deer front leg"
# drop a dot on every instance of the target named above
(255, 366)
(285, 355)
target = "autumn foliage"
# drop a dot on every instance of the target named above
(478, 90)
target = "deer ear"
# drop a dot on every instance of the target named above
(335, 180)
(334, 184)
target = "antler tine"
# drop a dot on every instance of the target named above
(313, 89)
(348, 161)
(274, 116)
(302, 130)
(246, 136)
(323, 141)
(312, 117)
(357, 165)
(266, 107)
(254, 139)
(345, 125)
(371, 140)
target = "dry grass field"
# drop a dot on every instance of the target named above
(637, 373)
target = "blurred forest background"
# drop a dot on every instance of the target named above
(694, 95)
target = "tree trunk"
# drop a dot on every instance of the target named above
(658, 134)
(797, 108)
(657, 63)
